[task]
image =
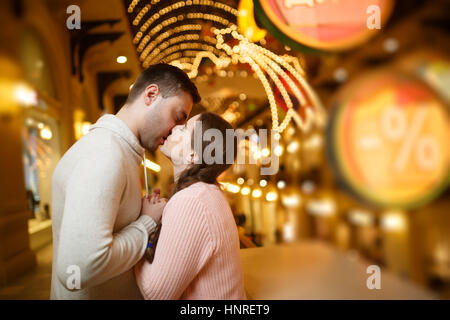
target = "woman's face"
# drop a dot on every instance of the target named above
(178, 146)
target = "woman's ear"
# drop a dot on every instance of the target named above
(193, 157)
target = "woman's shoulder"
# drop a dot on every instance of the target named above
(204, 203)
(198, 190)
(202, 193)
(198, 201)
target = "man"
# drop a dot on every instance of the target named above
(98, 235)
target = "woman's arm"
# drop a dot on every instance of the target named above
(185, 245)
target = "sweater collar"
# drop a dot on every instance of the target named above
(113, 123)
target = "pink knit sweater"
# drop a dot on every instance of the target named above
(197, 255)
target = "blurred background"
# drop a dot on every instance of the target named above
(358, 91)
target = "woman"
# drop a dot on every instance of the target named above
(197, 255)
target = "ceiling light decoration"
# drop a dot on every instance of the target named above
(46, 133)
(271, 196)
(184, 33)
(246, 22)
(256, 193)
(245, 191)
(121, 59)
(264, 62)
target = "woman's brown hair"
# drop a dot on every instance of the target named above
(203, 172)
(200, 172)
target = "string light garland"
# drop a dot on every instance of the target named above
(163, 36)
(186, 45)
(262, 62)
(160, 55)
(180, 4)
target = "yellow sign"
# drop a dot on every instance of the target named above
(390, 140)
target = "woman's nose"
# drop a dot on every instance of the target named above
(177, 128)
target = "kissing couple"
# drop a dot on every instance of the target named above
(102, 227)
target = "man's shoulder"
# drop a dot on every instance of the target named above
(99, 145)
(91, 153)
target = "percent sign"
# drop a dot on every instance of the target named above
(395, 128)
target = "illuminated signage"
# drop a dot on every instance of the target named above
(323, 24)
(388, 140)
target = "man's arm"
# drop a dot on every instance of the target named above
(92, 200)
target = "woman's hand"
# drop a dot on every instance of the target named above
(153, 206)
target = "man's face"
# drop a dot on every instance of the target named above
(164, 114)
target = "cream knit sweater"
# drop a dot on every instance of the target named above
(96, 225)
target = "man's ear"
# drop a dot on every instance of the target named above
(151, 93)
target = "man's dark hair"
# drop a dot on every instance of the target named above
(169, 79)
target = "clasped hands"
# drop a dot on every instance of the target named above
(153, 205)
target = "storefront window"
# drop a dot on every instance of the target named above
(40, 138)
(40, 156)
(35, 63)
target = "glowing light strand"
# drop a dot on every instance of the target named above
(260, 59)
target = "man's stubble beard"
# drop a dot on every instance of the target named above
(150, 132)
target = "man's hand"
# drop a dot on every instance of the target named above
(153, 206)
